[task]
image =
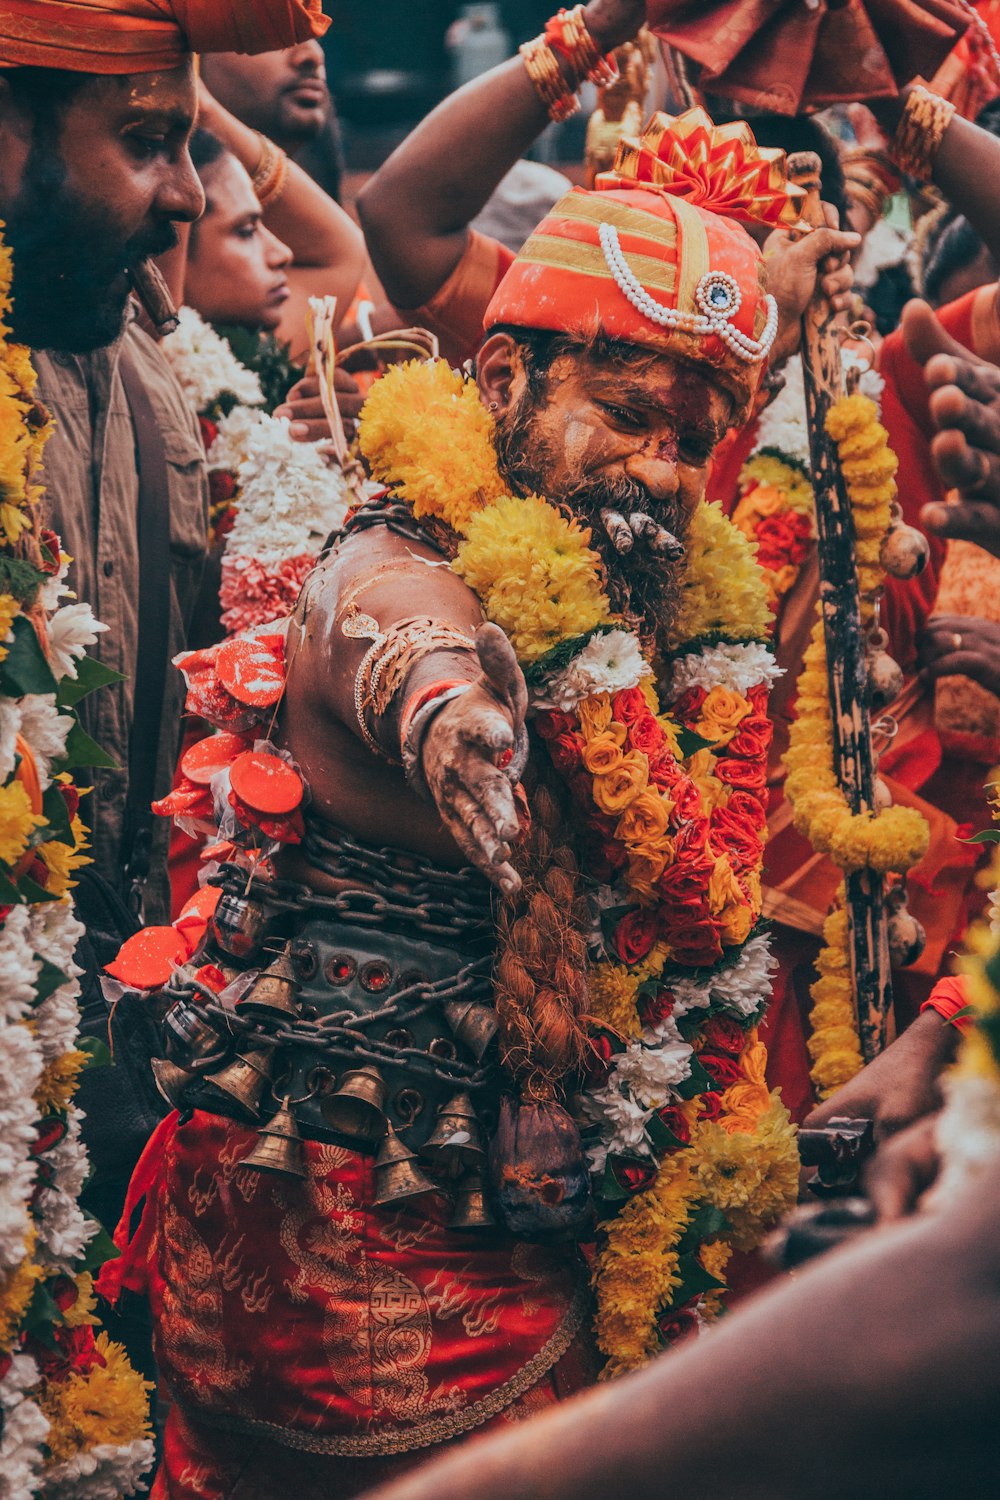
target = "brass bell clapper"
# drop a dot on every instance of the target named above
(456, 1143)
(399, 1180)
(279, 1145)
(356, 1110)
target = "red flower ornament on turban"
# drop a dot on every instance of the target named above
(653, 256)
(147, 36)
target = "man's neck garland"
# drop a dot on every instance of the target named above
(665, 764)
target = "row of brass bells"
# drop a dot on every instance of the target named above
(456, 1143)
(279, 1146)
(905, 550)
(357, 1109)
(472, 1024)
(399, 1179)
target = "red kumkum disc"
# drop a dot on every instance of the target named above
(148, 958)
(266, 784)
(250, 672)
(202, 760)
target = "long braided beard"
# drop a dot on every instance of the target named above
(638, 538)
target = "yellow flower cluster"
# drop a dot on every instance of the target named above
(17, 822)
(534, 572)
(893, 840)
(16, 1292)
(723, 591)
(58, 1082)
(869, 468)
(107, 1404)
(62, 859)
(834, 1044)
(896, 838)
(425, 431)
(9, 610)
(612, 993)
(636, 1267)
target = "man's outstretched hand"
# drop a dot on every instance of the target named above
(472, 757)
(965, 408)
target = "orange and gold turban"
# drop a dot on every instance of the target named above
(147, 36)
(653, 255)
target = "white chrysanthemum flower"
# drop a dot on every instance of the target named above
(10, 728)
(609, 663)
(233, 440)
(740, 988)
(782, 424)
(20, 1069)
(736, 667)
(102, 1473)
(18, 964)
(652, 1073)
(23, 1431)
(45, 730)
(205, 366)
(55, 589)
(623, 1125)
(71, 630)
(63, 1231)
(290, 498)
(54, 932)
(57, 1022)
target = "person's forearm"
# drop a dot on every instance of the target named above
(966, 168)
(866, 1377)
(417, 208)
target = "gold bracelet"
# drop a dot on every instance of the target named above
(271, 176)
(546, 75)
(567, 33)
(920, 132)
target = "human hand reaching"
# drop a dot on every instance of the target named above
(794, 266)
(472, 756)
(304, 408)
(965, 409)
(901, 1085)
(611, 22)
(962, 646)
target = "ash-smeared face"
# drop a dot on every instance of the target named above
(626, 445)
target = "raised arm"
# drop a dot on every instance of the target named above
(417, 208)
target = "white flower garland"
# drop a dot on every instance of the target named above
(610, 662)
(734, 667)
(25, 1428)
(206, 368)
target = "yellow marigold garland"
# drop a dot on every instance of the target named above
(109, 1403)
(891, 841)
(727, 591)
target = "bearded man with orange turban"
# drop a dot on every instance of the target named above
(498, 988)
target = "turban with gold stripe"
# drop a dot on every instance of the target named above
(147, 36)
(653, 255)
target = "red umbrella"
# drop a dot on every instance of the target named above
(796, 55)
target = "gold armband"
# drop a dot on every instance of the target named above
(920, 132)
(389, 661)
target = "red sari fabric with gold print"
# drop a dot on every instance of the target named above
(296, 1309)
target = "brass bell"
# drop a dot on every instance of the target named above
(472, 1024)
(244, 1080)
(471, 1211)
(455, 1142)
(905, 551)
(170, 1080)
(238, 924)
(356, 1109)
(279, 1146)
(398, 1178)
(273, 993)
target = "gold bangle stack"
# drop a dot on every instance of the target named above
(543, 69)
(870, 179)
(271, 176)
(567, 32)
(920, 132)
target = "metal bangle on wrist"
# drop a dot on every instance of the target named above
(414, 727)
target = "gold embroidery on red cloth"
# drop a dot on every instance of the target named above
(191, 1325)
(441, 1429)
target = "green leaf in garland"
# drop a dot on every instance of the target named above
(50, 978)
(661, 1137)
(611, 1190)
(689, 743)
(24, 670)
(700, 1082)
(81, 750)
(986, 836)
(9, 893)
(695, 1280)
(98, 1052)
(32, 893)
(19, 579)
(42, 1316)
(57, 815)
(91, 674)
(101, 1249)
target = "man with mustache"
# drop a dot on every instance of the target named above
(335, 1288)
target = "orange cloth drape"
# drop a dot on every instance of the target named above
(147, 36)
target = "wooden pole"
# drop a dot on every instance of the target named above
(846, 663)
